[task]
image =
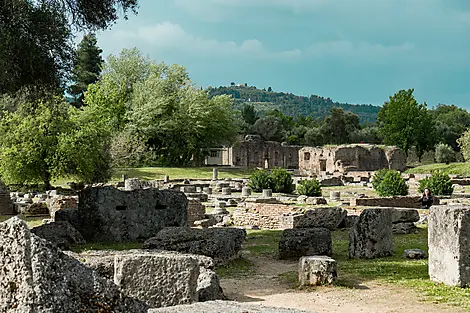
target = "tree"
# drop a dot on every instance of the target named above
(404, 123)
(36, 43)
(464, 144)
(337, 127)
(270, 89)
(35, 46)
(87, 67)
(178, 120)
(451, 122)
(249, 114)
(269, 128)
(41, 142)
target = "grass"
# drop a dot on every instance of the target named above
(354, 273)
(154, 173)
(238, 268)
(461, 168)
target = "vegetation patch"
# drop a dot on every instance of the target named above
(238, 268)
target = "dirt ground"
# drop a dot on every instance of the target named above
(266, 288)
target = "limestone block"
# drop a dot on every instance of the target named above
(267, 193)
(403, 228)
(298, 242)
(188, 189)
(328, 217)
(221, 244)
(401, 215)
(61, 233)
(246, 191)
(208, 286)
(38, 277)
(335, 195)
(317, 270)
(415, 254)
(158, 280)
(371, 235)
(226, 191)
(449, 245)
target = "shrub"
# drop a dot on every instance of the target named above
(260, 180)
(444, 153)
(378, 177)
(282, 180)
(310, 188)
(439, 184)
(392, 185)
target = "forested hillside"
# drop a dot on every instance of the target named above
(292, 105)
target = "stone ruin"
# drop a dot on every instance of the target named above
(6, 204)
(107, 214)
(324, 161)
(449, 245)
(395, 201)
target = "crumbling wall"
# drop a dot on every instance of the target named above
(265, 216)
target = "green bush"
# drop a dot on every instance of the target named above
(310, 188)
(392, 184)
(260, 180)
(439, 184)
(378, 177)
(444, 153)
(282, 180)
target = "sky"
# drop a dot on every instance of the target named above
(353, 51)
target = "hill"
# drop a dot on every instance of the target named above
(290, 104)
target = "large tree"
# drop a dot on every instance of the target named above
(48, 140)
(404, 122)
(338, 126)
(86, 69)
(35, 38)
(451, 122)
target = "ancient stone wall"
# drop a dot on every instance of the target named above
(255, 152)
(265, 216)
(111, 215)
(323, 161)
(397, 202)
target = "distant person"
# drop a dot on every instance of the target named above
(426, 199)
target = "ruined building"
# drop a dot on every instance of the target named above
(322, 161)
(253, 151)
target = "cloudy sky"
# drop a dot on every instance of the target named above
(355, 51)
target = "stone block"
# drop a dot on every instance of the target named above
(107, 214)
(158, 280)
(401, 215)
(246, 191)
(449, 245)
(317, 270)
(371, 235)
(328, 217)
(414, 254)
(226, 191)
(61, 233)
(267, 193)
(38, 277)
(221, 244)
(298, 242)
(403, 228)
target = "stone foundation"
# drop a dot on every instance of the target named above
(397, 202)
(265, 216)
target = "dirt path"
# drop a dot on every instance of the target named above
(266, 288)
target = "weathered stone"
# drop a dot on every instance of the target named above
(403, 228)
(328, 217)
(335, 195)
(415, 254)
(57, 203)
(315, 200)
(62, 234)
(215, 174)
(6, 204)
(208, 284)
(298, 242)
(449, 245)
(207, 190)
(396, 202)
(224, 307)
(349, 221)
(36, 209)
(132, 184)
(267, 193)
(196, 211)
(246, 191)
(226, 191)
(188, 189)
(38, 277)
(371, 236)
(221, 244)
(146, 277)
(111, 215)
(404, 215)
(330, 181)
(317, 270)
